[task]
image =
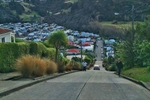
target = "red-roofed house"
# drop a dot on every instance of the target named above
(73, 51)
(5, 35)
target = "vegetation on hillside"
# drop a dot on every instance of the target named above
(81, 15)
(134, 50)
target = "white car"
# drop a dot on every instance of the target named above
(96, 67)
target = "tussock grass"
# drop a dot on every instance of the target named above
(51, 67)
(24, 65)
(68, 67)
(39, 68)
(34, 66)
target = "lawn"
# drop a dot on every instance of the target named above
(141, 74)
(72, 1)
(121, 25)
(28, 17)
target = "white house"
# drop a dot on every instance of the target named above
(5, 35)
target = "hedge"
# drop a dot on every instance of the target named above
(9, 52)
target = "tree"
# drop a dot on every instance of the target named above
(141, 44)
(58, 39)
(125, 49)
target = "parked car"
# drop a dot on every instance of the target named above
(96, 67)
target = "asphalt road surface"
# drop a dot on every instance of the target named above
(84, 85)
(99, 50)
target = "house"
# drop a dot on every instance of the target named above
(5, 35)
(73, 51)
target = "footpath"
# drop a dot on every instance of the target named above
(10, 82)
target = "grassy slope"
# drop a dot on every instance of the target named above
(72, 1)
(27, 16)
(120, 25)
(141, 74)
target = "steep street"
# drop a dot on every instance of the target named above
(84, 85)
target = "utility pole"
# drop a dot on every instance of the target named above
(81, 50)
(133, 11)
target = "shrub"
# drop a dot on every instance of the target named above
(51, 66)
(112, 67)
(8, 55)
(114, 22)
(61, 67)
(77, 59)
(68, 67)
(66, 61)
(111, 60)
(24, 65)
(87, 60)
(50, 53)
(37, 49)
(30, 66)
(76, 65)
(19, 40)
(148, 68)
(39, 68)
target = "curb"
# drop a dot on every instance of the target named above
(136, 81)
(37, 80)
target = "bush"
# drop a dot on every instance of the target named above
(12, 51)
(87, 60)
(61, 67)
(39, 68)
(37, 49)
(50, 53)
(30, 66)
(111, 60)
(112, 67)
(24, 65)
(76, 65)
(8, 55)
(77, 59)
(68, 67)
(51, 66)
(66, 60)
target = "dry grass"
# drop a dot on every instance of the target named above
(31, 66)
(68, 67)
(76, 65)
(39, 68)
(25, 66)
(61, 66)
(51, 66)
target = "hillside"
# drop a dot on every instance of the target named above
(85, 15)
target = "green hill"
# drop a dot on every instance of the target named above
(81, 15)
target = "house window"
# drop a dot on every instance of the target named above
(3, 40)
